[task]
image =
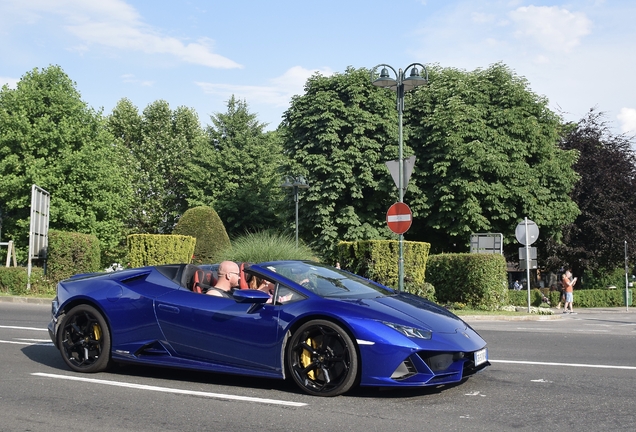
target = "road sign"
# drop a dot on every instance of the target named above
(399, 218)
(486, 243)
(533, 253)
(533, 232)
(394, 169)
(523, 264)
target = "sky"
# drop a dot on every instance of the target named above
(578, 54)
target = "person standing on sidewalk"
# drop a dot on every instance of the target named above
(568, 289)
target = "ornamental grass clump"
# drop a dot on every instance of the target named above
(266, 246)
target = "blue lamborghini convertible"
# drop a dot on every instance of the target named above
(326, 328)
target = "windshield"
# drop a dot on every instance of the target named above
(328, 281)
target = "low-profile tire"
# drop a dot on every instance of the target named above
(84, 340)
(322, 358)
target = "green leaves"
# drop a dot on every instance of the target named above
(338, 135)
(487, 155)
(49, 137)
(245, 165)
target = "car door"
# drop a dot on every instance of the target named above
(220, 330)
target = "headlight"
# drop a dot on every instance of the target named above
(410, 331)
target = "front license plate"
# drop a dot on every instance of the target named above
(481, 356)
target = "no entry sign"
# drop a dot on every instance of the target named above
(399, 218)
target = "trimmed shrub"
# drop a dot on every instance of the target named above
(476, 280)
(601, 279)
(205, 225)
(520, 298)
(582, 298)
(158, 249)
(378, 260)
(70, 253)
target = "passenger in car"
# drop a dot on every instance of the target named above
(269, 287)
(229, 277)
(261, 284)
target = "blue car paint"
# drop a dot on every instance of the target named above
(154, 320)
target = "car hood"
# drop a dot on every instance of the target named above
(412, 310)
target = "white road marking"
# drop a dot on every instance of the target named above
(172, 390)
(564, 364)
(23, 328)
(27, 343)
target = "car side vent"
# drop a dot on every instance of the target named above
(134, 279)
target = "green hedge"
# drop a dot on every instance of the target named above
(378, 261)
(474, 280)
(158, 249)
(582, 298)
(13, 281)
(70, 253)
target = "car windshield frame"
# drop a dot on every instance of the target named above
(326, 281)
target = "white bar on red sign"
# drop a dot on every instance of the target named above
(398, 218)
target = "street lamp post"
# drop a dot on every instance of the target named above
(296, 183)
(400, 84)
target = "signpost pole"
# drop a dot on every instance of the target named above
(626, 280)
(527, 262)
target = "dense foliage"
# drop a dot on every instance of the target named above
(595, 240)
(164, 145)
(487, 156)
(338, 135)
(15, 281)
(159, 249)
(50, 138)
(582, 298)
(245, 170)
(376, 260)
(70, 253)
(476, 280)
(204, 224)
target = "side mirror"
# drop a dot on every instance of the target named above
(250, 296)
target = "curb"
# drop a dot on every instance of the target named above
(29, 300)
(536, 317)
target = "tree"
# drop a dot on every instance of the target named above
(165, 146)
(245, 185)
(339, 134)
(49, 137)
(605, 195)
(487, 156)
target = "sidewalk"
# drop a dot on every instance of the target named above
(556, 314)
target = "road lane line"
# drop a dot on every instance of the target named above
(564, 364)
(22, 328)
(172, 390)
(27, 343)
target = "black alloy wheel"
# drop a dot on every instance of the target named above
(84, 340)
(322, 358)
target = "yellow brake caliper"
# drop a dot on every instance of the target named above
(97, 332)
(305, 358)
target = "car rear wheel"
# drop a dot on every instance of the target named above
(84, 339)
(322, 358)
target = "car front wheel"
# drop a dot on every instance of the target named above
(84, 339)
(322, 358)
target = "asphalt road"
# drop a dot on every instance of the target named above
(573, 373)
